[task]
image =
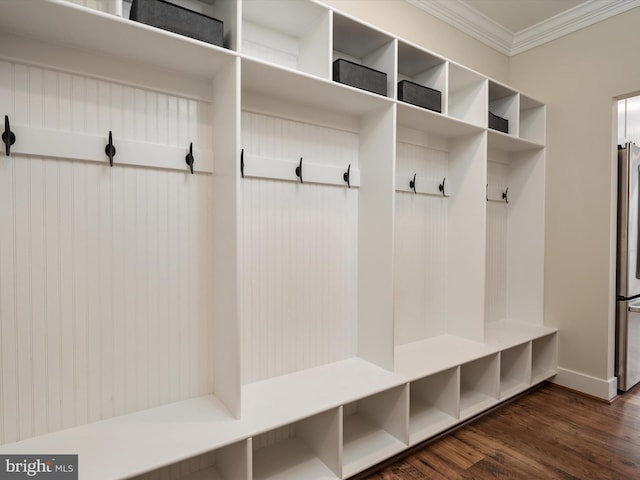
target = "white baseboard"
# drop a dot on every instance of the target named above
(596, 387)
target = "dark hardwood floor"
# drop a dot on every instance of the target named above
(551, 433)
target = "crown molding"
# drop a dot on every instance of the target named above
(470, 21)
(474, 23)
(570, 21)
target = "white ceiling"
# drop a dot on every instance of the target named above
(514, 26)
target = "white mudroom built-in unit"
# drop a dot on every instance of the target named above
(218, 262)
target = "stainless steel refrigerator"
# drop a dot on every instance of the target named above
(628, 268)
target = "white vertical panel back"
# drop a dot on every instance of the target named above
(274, 436)
(496, 269)
(420, 249)
(109, 6)
(269, 45)
(103, 271)
(298, 253)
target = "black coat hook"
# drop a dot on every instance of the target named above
(299, 170)
(8, 137)
(412, 183)
(189, 158)
(110, 150)
(505, 195)
(242, 163)
(441, 187)
(347, 176)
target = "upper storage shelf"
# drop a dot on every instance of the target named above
(99, 33)
(280, 84)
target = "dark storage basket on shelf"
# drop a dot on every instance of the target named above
(498, 123)
(360, 76)
(176, 19)
(420, 95)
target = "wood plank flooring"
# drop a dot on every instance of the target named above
(550, 433)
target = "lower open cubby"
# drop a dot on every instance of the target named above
(434, 404)
(479, 385)
(374, 428)
(515, 370)
(305, 449)
(544, 358)
(226, 463)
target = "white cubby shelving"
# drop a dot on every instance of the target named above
(434, 405)
(479, 385)
(271, 325)
(306, 449)
(423, 68)
(515, 370)
(544, 358)
(225, 463)
(505, 103)
(532, 120)
(468, 95)
(364, 45)
(374, 427)
(298, 39)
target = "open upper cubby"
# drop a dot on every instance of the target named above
(434, 405)
(515, 370)
(425, 69)
(544, 358)
(505, 103)
(309, 448)
(467, 95)
(374, 427)
(358, 43)
(532, 120)
(289, 33)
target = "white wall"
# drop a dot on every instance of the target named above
(415, 25)
(578, 77)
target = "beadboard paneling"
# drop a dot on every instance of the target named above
(274, 436)
(298, 254)
(103, 304)
(43, 98)
(496, 259)
(420, 283)
(109, 6)
(269, 45)
(103, 271)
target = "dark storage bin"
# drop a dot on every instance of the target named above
(177, 19)
(360, 76)
(419, 95)
(498, 123)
